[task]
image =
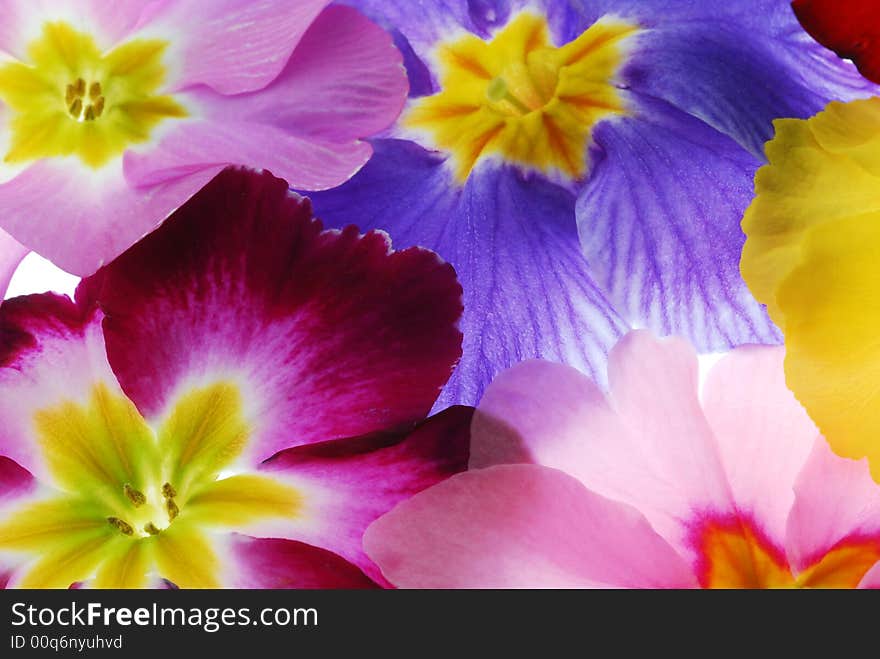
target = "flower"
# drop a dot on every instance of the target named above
(584, 165)
(811, 257)
(647, 486)
(229, 403)
(113, 117)
(850, 29)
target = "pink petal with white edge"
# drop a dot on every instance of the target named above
(80, 219)
(328, 334)
(347, 484)
(836, 501)
(344, 81)
(520, 526)
(648, 444)
(11, 254)
(233, 46)
(52, 351)
(276, 564)
(306, 164)
(763, 433)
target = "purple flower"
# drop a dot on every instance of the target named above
(585, 165)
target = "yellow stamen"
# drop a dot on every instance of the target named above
(123, 526)
(137, 498)
(173, 510)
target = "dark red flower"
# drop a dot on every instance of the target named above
(851, 28)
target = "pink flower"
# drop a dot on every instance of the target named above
(114, 114)
(646, 487)
(230, 402)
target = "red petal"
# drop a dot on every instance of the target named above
(851, 28)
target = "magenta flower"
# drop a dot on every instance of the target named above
(646, 487)
(114, 114)
(229, 403)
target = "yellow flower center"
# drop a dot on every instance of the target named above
(133, 503)
(72, 99)
(735, 556)
(520, 98)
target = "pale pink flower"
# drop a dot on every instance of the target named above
(114, 114)
(647, 486)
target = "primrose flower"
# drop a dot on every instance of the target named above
(114, 114)
(229, 403)
(645, 487)
(851, 29)
(624, 131)
(811, 256)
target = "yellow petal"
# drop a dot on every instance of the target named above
(831, 303)
(126, 568)
(48, 525)
(844, 567)
(205, 432)
(98, 448)
(239, 500)
(818, 172)
(185, 557)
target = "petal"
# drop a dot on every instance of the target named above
(871, 578)
(47, 525)
(79, 218)
(346, 484)
(73, 563)
(15, 481)
(344, 81)
(307, 163)
(520, 526)
(52, 359)
(11, 254)
(276, 564)
(831, 303)
(235, 46)
(763, 433)
(837, 506)
(186, 557)
(69, 537)
(512, 240)
(736, 66)
(127, 568)
(647, 445)
(325, 334)
(237, 501)
(663, 236)
(820, 170)
(205, 432)
(851, 29)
